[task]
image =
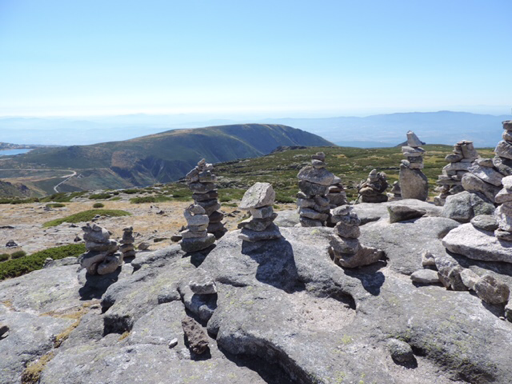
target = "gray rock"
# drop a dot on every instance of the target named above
(469, 278)
(259, 195)
(312, 214)
(197, 244)
(271, 233)
(449, 273)
(465, 205)
(413, 140)
(503, 215)
(257, 224)
(413, 184)
(504, 166)
(347, 230)
(425, 276)
(316, 175)
(491, 290)
(485, 222)
(471, 183)
(477, 244)
(312, 189)
(346, 246)
(401, 352)
(504, 196)
(262, 213)
(489, 175)
(504, 236)
(399, 213)
(364, 256)
(504, 149)
(287, 218)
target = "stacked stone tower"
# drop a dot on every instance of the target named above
(413, 182)
(314, 183)
(373, 190)
(196, 237)
(101, 256)
(127, 248)
(345, 248)
(336, 194)
(503, 213)
(395, 193)
(459, 161)
(201, 181)
(258, 200)
(503, 159)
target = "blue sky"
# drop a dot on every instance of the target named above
(258, 58)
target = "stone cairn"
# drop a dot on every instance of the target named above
(503, 213)
(413, 182)
(201, 181)
(459, 161)
(336, 194)
(314, 183)
(127, 248)
(258, 200)
(101, 257)
(196, 237)
(395, 193)
(345, 248)
(373, 190)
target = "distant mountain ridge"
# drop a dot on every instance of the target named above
(165, 156)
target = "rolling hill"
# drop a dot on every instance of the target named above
(161, 157)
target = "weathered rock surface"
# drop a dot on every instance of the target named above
(413, 183)
(465, 205)
(399, 213)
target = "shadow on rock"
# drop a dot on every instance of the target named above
(370, 276)
(96, 285)
(276, 263)
(197, 258)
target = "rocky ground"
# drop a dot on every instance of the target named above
(276, 312)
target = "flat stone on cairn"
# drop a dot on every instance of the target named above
(336, 194)
(127, 248)
(373, 190)
(459, 162)
(101, 257)
(201, 181)
(345, 248)
(258, 200)
(196, 237)
(314, 184)
(413, 182)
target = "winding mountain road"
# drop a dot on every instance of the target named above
(66, 178)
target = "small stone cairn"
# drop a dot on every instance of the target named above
(314, 183)
(503, 159)
(201, 181)
(258, 200)
(373, 190)
(196, 237)
(503, 213)
(345, 248)
(101, 257)
(336, 194)
(413, 182)
(127, 248)
(395, 193)
(459, 161)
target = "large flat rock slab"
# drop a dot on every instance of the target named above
(477, 244)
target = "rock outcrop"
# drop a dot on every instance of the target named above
(413, 182)
(459, 161)
(201, 181)
(314, 183)
(373, 190)
(101, 257)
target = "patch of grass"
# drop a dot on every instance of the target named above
(62, 197)
(4, 256)
(16, 200)
(32, 373)
(150, 199)
(130, 191)
(117, 198)
(86, 216)
(100, 196)
(229, 194)
(98, 205)
(18, 267)
(18, 255)
(55, 205)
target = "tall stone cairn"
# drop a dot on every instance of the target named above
(127, 248)
(196, 237)
(201, 181)
(345, 248)
(413, 182)
(101, 256)
(314, 183)
(503, 213)
(258, 200)
(459, 161)
(373, 189)
(336, 193)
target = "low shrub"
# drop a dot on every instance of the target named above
(84, 216)
(4, 256)
(100, 196)
(18, 255)
(18, 267)
(149, 199)
(98, 205)
(55, 205)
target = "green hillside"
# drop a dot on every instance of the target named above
(163, 157)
